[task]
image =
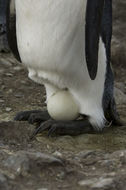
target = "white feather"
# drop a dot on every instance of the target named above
(51, 42)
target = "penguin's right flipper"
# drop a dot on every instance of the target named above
(11, 28)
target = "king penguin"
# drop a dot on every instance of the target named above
(66, 45)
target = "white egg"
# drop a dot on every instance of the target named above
(62, 106)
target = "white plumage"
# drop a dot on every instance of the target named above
(51, 43)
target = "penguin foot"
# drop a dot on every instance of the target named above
(64, 128)
(34, 116)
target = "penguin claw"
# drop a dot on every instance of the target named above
(64, 128)
(43, 127)
(34, 116)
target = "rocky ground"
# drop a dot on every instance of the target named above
(85, 162)
(90, 161)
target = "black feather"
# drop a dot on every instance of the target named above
(94, 14)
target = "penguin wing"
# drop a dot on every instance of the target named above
(94, 12)
(106, 30)
(11, 28)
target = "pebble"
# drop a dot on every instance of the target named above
(2, 71)
(2, 178)
(8, 109)
(57, 154)
(17, 68)
(18, 95)
(120, 97)
(2, 101)
(87, 182)
(3, 87)
(42, 189)
(10, 91)
(102, 183)
(9, 74)
(97, 183)
(5, 62)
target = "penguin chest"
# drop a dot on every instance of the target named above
(50, 32)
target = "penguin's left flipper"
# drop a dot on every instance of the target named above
(73, 128)
(33, 116)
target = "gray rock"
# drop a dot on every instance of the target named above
(87, 182)
(103, 183)
(120, 97)
(5, 62)
(23, 162)
(3, 182)
(2, 178)
(18, 163)
(119, 29)
(97, 183)
(120, 86)
(17, 68)
(8, 109)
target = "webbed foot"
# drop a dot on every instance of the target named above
(34, 116)
(64, 128)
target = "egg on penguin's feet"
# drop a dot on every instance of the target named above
(61, 106)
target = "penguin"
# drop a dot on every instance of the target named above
(66, 45)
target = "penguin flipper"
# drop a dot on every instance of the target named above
(11, 28)
(109, 103)
(94, 14)
(106, 28)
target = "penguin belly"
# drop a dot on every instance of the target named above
(51, 43)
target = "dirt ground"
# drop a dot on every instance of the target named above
(90, 161)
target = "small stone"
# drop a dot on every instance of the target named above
(97, 183)
(10, 91)
(8, 109)
(102, 183)
(2, 101)
(57, 154)
(17, 68)
(2, 71)
(5, 62)
(61, 175)
(2, 178)
(9, 74)
(3, 87)
(23, 82)
(86, 153)
(87, 182)
(120, 97)
(42, 189)
(18, 95)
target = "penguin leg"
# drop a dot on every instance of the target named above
(34, 116)
(73, 128)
